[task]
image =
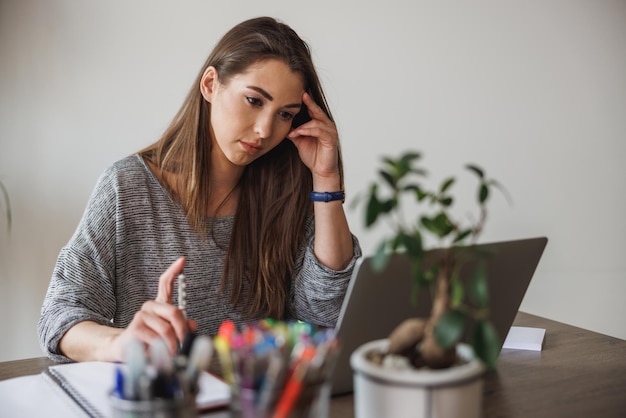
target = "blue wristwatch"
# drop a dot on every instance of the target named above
(328, 196)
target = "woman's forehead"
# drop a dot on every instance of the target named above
(275, 77)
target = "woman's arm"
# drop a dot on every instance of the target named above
(88, 340)
(82, 315)
(333, 240)
(318, 145)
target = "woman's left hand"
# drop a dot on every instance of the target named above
(317, 141)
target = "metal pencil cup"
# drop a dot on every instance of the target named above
(154, 408)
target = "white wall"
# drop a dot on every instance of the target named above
(534, 91)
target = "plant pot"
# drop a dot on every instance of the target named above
(425, 393)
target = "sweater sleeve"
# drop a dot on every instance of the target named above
(318, 291)
(81, 287)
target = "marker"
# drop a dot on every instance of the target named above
(223, 351)
(199, 359)
(274, 376)
(135, 359)
(119, 384)
(293, 387)
(227, 330)
(162, 384)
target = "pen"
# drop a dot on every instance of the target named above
(185, 347)
(182, 294)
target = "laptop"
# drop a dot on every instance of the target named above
(376, 302)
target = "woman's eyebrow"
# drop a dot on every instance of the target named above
(269, 97)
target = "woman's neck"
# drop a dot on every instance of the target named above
(224, 179)
(223, 183)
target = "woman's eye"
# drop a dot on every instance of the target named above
(254, 101)
(286, 116)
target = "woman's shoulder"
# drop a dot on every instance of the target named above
(128, 171)
(129, 178)
(129, 164)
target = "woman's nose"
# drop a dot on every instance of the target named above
(263, 126)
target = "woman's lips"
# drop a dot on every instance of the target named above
(250, 147)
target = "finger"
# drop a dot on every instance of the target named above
(170, 315)
(162, 320)
(193, 325)
(165, 332)
(312, 131)
(143, 334)
(315, 111)
(166, 281)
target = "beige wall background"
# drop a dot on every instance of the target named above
(534, 91)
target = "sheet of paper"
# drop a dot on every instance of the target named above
(36, 396)
(525, 338)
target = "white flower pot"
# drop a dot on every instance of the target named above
(447, 393)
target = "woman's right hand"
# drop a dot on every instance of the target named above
(88, 340)
(157, 318)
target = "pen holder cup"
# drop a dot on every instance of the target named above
(154, 408)
(313, 401)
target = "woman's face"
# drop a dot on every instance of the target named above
(252, 112)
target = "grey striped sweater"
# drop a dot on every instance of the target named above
(131, 231)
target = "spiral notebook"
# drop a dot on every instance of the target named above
(82, 390)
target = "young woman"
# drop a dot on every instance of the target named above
(226, 195)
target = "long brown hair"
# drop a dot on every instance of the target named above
(269, 226)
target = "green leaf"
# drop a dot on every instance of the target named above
(449, 329)
(408, 157)
(432, 272)
(421, 195)
(419, 171)
(391, 181)
(483, 193)
(388, 205)
(502, 190)
(477, 170)
(381, 257)
(420, 279)
(394, 243)
(374, 208)
(388, 162)
(411, 188)
(461, 235)
(486, 343)
(429, 224)
(446, 201)
(412, 243)
(457, 291)
(478, 287)
(439, 225)
(446, 184)
(401, 167)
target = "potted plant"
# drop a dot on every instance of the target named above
(441, 376)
